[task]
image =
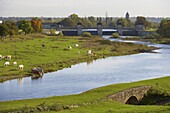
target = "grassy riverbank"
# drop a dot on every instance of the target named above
(27, 50)
(156, 41)
(95, 100)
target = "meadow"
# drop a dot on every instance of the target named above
(55, 55)
(28, 50)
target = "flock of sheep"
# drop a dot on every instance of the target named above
(8, 57)
(89, 52)
(20, 67)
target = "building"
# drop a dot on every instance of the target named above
(127, 15)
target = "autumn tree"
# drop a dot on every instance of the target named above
(25, 25)
(37, 26)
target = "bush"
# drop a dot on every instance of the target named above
(115, 35)
(105, 42)
(52, 31)
(60, 34)
(86, 34)
(153, 36)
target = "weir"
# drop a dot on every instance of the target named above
(100, 30)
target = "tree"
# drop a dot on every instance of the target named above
(36, 25)
(161, 29)
(73, 16)
(141, 21)
(25, 26)
(12, 28)
(68, 22)
(122, 21)
(3, 30)
(113, 24)
(164, 28)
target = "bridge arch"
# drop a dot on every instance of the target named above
(130, 96)
(132, 101)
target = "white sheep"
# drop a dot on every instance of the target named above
(20, 67)
(76, 45)
(8, 57)
(0, 56)
(78, 52)
(6, 64)
(69, 47)
(14, 63)
(89, 52)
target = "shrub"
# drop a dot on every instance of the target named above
(60, 34)
(105, 42)
(86, 34)
(115, 35)
(153, 36)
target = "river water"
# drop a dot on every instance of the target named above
(88, 75)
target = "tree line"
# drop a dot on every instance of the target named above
(35, 25)
(12, 28)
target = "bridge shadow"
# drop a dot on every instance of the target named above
(132, 101)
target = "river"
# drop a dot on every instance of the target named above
(88, 75)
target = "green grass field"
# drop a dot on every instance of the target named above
(27, 50)
(93, 101)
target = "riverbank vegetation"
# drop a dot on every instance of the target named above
(52, 52)
(154, 38)
(95, 100)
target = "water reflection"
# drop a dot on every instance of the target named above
(89, 62)
(20, 80)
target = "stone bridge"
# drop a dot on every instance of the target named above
(130, 96)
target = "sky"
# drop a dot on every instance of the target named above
(63, 8)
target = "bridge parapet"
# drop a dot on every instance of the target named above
(130, 96)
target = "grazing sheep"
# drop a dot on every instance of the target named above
(6, 64)
(8, 57)
(69, 47)
(14, 63)
(0, 56)
(20, 67)
(76, 45)
(78, 52)
(89, 52)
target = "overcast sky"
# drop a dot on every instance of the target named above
(63, 8)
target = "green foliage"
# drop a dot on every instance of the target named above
(25, 26)
(141, 21)
(105, 42)
(13, 29)
(60, 34)
(153, 36)
(115, 35)
(68, 22)
(52, 31)
(164, 28)
(3, 30)
(112, 24)
(122, 21)
(86, 34)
